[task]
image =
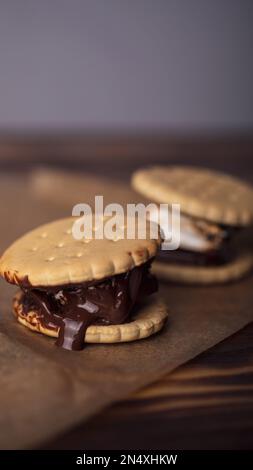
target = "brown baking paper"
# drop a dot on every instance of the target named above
(45, 390)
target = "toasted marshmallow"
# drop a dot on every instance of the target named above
(195, 234)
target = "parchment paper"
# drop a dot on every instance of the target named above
(44, 390)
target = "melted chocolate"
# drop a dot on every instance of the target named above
(216, 257)
(209, 258)
(73, 308)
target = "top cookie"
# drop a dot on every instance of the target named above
(201, 193)
(51, 256)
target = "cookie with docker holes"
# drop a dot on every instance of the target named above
(216, 219)
(84, 291)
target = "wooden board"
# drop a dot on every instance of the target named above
(205, 404)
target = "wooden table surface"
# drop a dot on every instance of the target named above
(208, 402)
(204, 404)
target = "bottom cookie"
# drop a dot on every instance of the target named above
(190, 274)
(149, 319)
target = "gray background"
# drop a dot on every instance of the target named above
(126, 64)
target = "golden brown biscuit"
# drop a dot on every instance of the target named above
(235, 269)
(149, 319)
(216, 209)
(200, 192)
(50, 256)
